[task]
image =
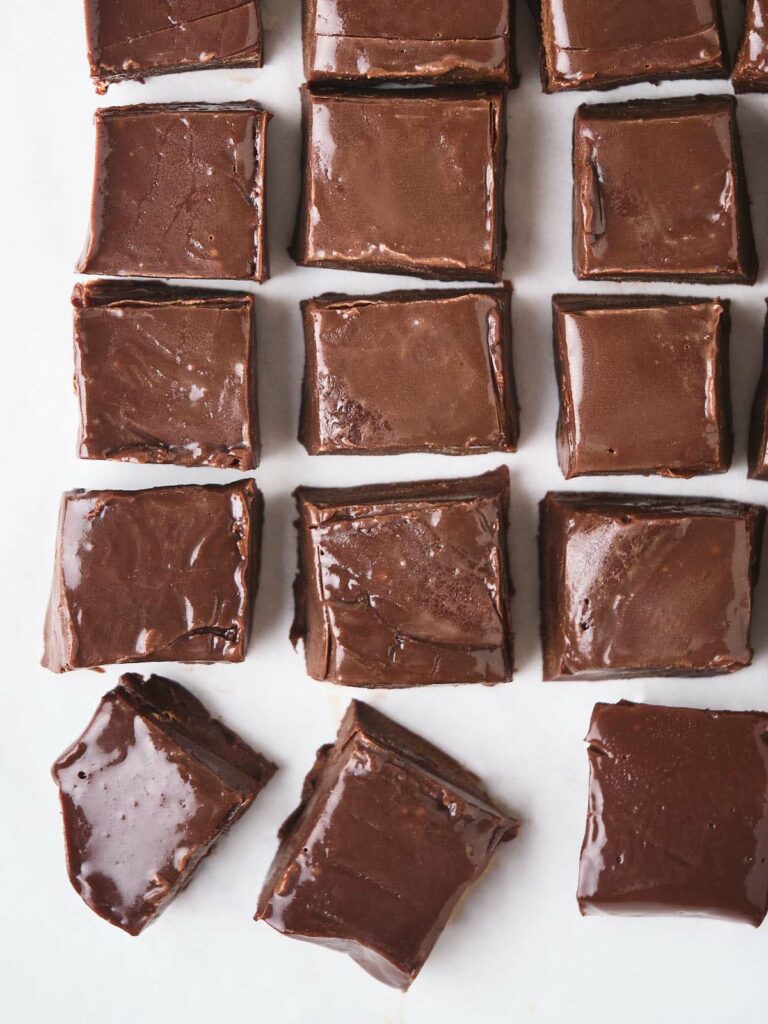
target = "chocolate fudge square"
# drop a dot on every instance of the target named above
(750, 73)
(146, 792)
(388, 837)
(645, 586)
(758, 432)
(166, 375)
(643, 385)
(435, 40)
(405, 584)
(660, 193)
(409, 371)
(403, 182)
(137, 40)
(165, 574)
(179, 192)
(678, 813)
(601, 44)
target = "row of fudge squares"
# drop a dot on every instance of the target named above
(412, 183)
(168, 375)
(403, 585)
(585, 44)
(391, 832)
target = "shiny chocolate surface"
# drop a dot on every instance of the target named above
(750, 73)
(758, 431)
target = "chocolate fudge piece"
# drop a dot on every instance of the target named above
(678, 813)
(750, 73)
(639, 586)
(136, 40)
(434, 40)
(389, 835)
(179, 192)
(146, 791)
(643, 385)
(405, 584)
(660, 193)
(165, 574)
(758, 432)
(601, 44)
(403, 182)
(166, 375)
(409, 372)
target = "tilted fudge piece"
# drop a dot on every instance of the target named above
(146, 791)
(678, 813)
(389, 835)
(405, 584)
(640, 586)
(166, 375)
(758, 431)
(165, 574)
(403, 182)
(601, 44)
(139, 39)
(435, 40)
(750, 73)
(660, 193)
(179, 192)
(643, 385)
(409, 372)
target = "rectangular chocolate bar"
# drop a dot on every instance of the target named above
(389, 835)
(750, 73)
(660, 193)
(646, 586)
(403, 182)
(179, 192)
(758, 430)
(416, 371)
(601, 44)
(138, 39)
(678, 813)
(643, 385)
(146, 791)
(166, 375)
(434, 40)
(405, 584)
(165, 574)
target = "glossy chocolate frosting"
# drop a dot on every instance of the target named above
(432, 40)
(146, 791)
(179, 192)
(601, 44)
(405, 584)
(643, 385)
(750, 73)
(389, 835)
(166, 375)
(165, 574)
(660, 192)
(678, 813)
(641, 586)
(758, 431)
(403, 182)
(140, 38)
(409, 372)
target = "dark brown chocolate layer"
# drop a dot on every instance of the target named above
(678, 813)
(165, 574)
(660, 193)
(142, 38)
(179, 192)
(166, 375)
(403, 182)
(146, 791)
(601, 44)
(405, 584)
(643, 385)
(758, 429)
(750, 73)
(466, 41)
(641, 586)
(389, 835)
(409, 372)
